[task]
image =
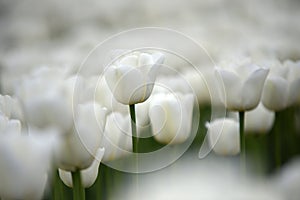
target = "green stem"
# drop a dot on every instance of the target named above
(101, 187)
(278, 140)
(242, 140)
(57, 187)
(133, 128)
(78, 190)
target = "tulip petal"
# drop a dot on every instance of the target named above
(275, 93)
(252, 89)
(229, 88)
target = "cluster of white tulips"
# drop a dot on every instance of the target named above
(86, 113)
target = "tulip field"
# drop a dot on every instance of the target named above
(149, 100)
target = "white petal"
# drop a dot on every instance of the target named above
(275, 93)
(252, 89)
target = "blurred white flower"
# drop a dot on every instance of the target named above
(131, 78)
(223, 136)
(240, 84)
(88, 175)
(24, 164)
(204, 85)
(259, 120)
(281, 88)
(171, 117)
(287, 179)
(47, 96)
(117, 139)
(78, 148)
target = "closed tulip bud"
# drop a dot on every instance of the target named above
(281, 89)
(171, 117)
(131, 78)
(117, 136)
(241, 85)
(88, 175)
(259, 120)
(223, 136)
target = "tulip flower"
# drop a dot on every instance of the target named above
(241, 85)
(171, 117)
(281, 89)
(24, 164)
(259, 120)
(117, 136)
(88, 175)
(223, 135)
(47, 99)
(131, 78)
(77, 148)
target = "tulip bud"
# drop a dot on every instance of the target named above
(259, 120)
(240, 85)
(223, 136)
(171, 117)
(88, 175)
(131, 78)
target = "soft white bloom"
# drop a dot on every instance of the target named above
(24, 164)
(241, 84)
(171, 117)
(259, 120)
(223, 136)
(88, 175)
(204, 85)
(78, 148)
(281, 88)
(131, 78)
(9, 125)
(47, 96)
(117, 139)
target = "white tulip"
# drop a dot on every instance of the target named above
(47, 98)
(117, 139)
(88, 175)
(259, 120)
(204, 85)
(171, 117)
(281, 89)
(223, 136)
(78, 148)
(131, 78)
(241, 85)
(24, 164)
(9, 125)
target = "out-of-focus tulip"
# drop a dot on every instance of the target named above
(117, 139)
(240, 84)
(259, 120)
(223, 136)
(11, 108)
(88, 175)
(204, 85)
(47, 98)
(171, 117)
(78, 148)
(24, 164)
(131, 78)
(281, 89)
